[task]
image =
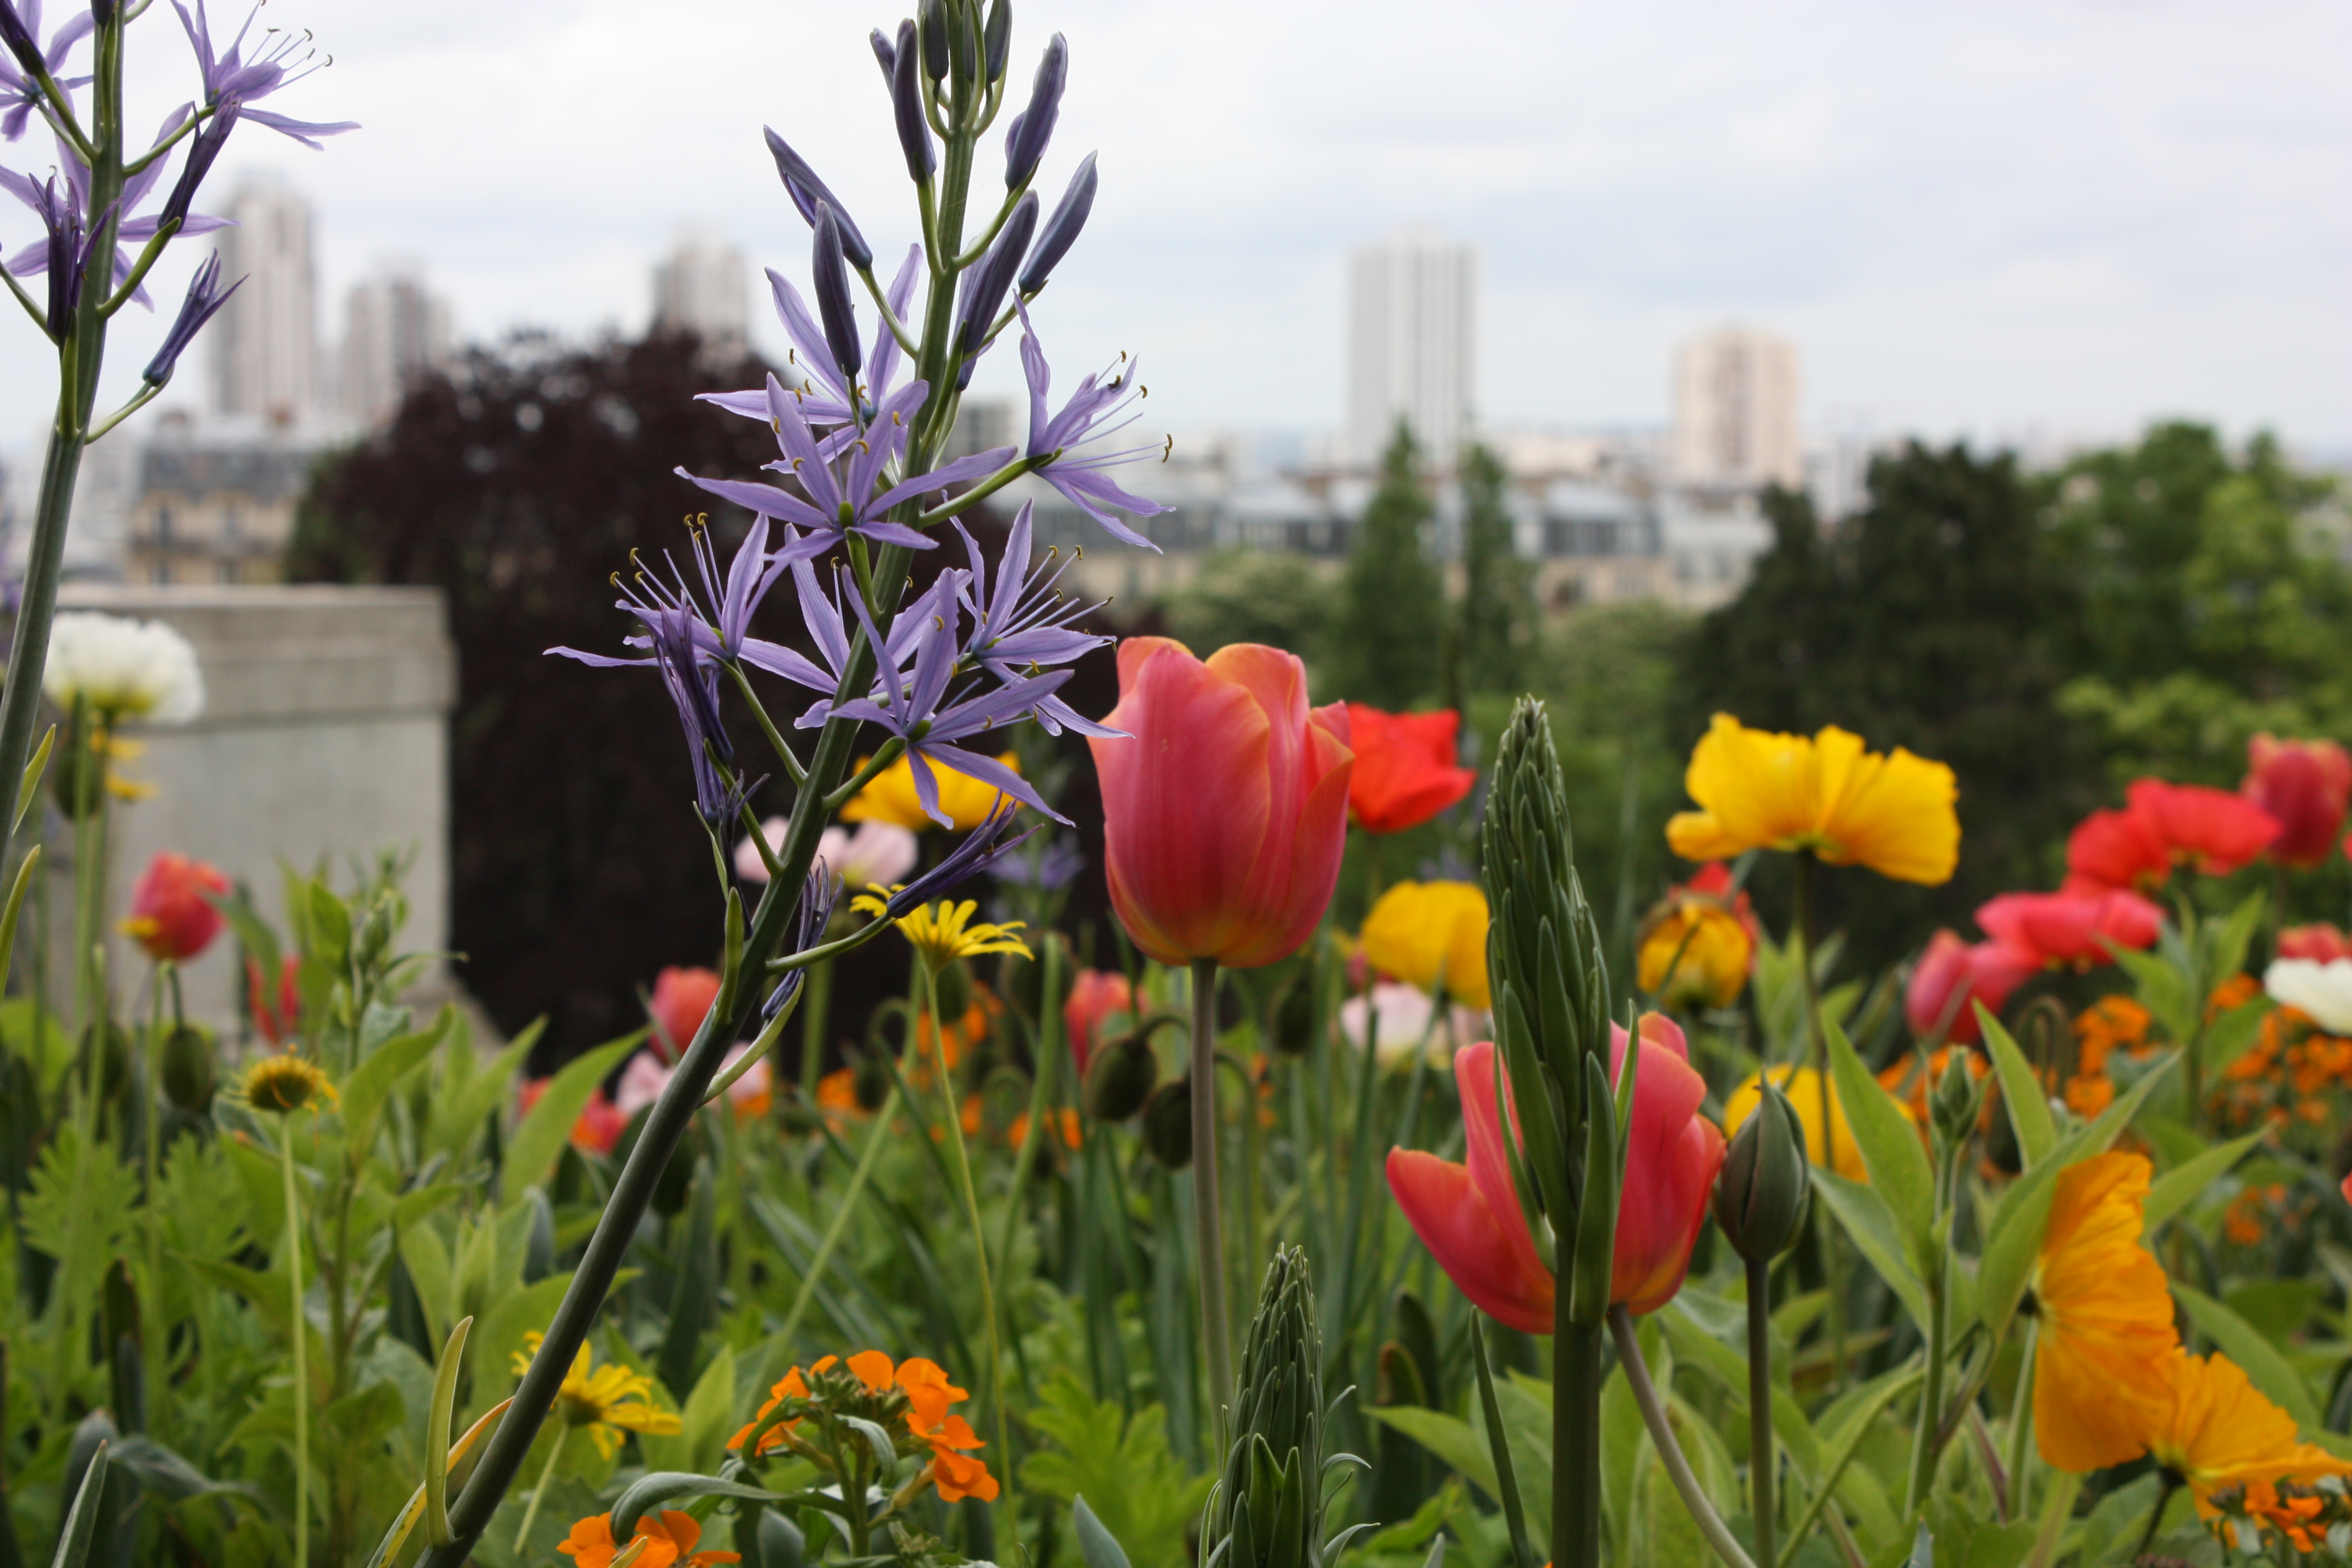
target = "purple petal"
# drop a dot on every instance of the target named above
(765, 498)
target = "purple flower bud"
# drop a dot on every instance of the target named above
(984, 285)
(101, 11)
(809, 193)
(201, 154)
(1024, 144)
(965, 41)
(204, 297)
(883, 52)
(19, 38)
(907, 107)
(997, 36)
(935, 38)
(1061, 230)
(833, 294)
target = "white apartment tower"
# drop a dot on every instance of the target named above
(393, 330)
(701, 287)
(1412, 343)
(1736, 426)
(265, 342)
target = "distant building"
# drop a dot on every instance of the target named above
(265, 342)
(1737, 421)
(984, 424)
(1412, 343)
(393, 330)
(216, 501)
(700, 287)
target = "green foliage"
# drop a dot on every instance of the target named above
(1241, 594)
(1391, 625)
(1496, 618)
(1121, 1463)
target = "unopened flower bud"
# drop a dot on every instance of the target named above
(952, 994)
(1954, 1107)
(1294, 1021)
(985, 284)
(907, 107)
(1061, 230)
(187, 1076)
(1025, 142)
(997, 36)
(1168, 1124)
(1761, 1197)
(833, 304)
(886, 53)
(808, 192)
(19, 38)
(935, 38)
(870, 1083)
(1120, 1078)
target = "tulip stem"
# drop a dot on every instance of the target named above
(1208, 1219)
(1575, 1439)
(1763, 1458)
(1832, 1266)
(1670, 1450)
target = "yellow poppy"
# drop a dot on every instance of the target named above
(608, 1401)
(1803, 1088)
(945, 931)
(1760, 790)
(2220, 1431)
(2106, 1337)
(1695, 953)
(890, 796)
(1417, 928)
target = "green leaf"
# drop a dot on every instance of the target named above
(2180, 1186)
(364, 1091)
(505, 1325)
(1144, 1497)
(1095, 1544)
(2233, 1034)
(667, 1486)
(2021, 1091)
(2264, 1367)
(1864, 1216)
(436, 1435)
(331, 926)
(469, 1092)
(1891, 1150)
(704, 1421)
(1729, 1368)
(1965, 1538)
(81, 1523)
(532, 1151)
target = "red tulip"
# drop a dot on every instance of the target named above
(1468, 1215)
(1225, 813)
(1953, 975)
(2081, 929)
(1094, 995)
(1406, 767)
(2320, 944)
(169, 916)
(2306, 785)
(682, 998)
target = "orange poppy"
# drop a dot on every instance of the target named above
(2107, 1320)
(2220, 1431)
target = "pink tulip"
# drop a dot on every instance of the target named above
(682, 999)
(1953, 975)
(1226, 811)
(1468, 1215)
(1094, 995)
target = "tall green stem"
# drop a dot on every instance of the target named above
(1575, 1439)
(1925, 1445)
(814, 1005)
(301, 1334)
(539, 1492)
(1670, 1449)
(1208, 1217)
(1763, 1456)
(1818, 1044)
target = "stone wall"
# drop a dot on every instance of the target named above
(324, 733)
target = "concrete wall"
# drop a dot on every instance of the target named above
(325, 732)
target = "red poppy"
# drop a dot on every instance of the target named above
(1953, 975)
(2321, 943)
(682, 999)
(1406, 767)
(171, 915)
(2080, 929)
(2306, 785)
(2117, 849)
(2212, 830)
(275, 1020)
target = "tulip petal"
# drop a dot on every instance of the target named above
(1470, 1241)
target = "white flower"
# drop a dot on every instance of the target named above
(1402, 1019)
(123, 668)
(878, 851)
(2321, 992)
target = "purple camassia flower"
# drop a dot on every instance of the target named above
(205, 296)
(33, 259)
(1050, 865)
(1024, 625)
(980, 849)
(19, 90)
(826, 399)
(835, 509)
(829, 629)
(249, 80)
(917, 710)
(1083, 478)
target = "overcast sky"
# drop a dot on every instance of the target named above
(1982, 218)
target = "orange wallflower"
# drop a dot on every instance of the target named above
(2220, 1431)
(670, 1540)
(2107, 1319)
(923, 1386)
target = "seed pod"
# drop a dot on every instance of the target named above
(1762, 1196)
(1120, 1078)
(870, 1083)
(1168, 1124)
(188, 1077)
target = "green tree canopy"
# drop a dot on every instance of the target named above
(1393, 602)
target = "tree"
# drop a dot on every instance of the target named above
(1933, 620)
(1246, 595)
(1497, 609)
(1393, 602)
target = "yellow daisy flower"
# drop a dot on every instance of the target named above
(944, 932)
(1760, 790)
(284, 1083)
(608, 1401)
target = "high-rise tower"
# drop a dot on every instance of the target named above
(1412, 343)
(265, 343)
(1737, 422)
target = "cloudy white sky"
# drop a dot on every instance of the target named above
(2001, 219)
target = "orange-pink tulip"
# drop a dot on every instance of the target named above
(1468, 1215)
(1225, 813)
(1094, 995)
(2306, 785)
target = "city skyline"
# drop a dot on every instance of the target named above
(2066, 219)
